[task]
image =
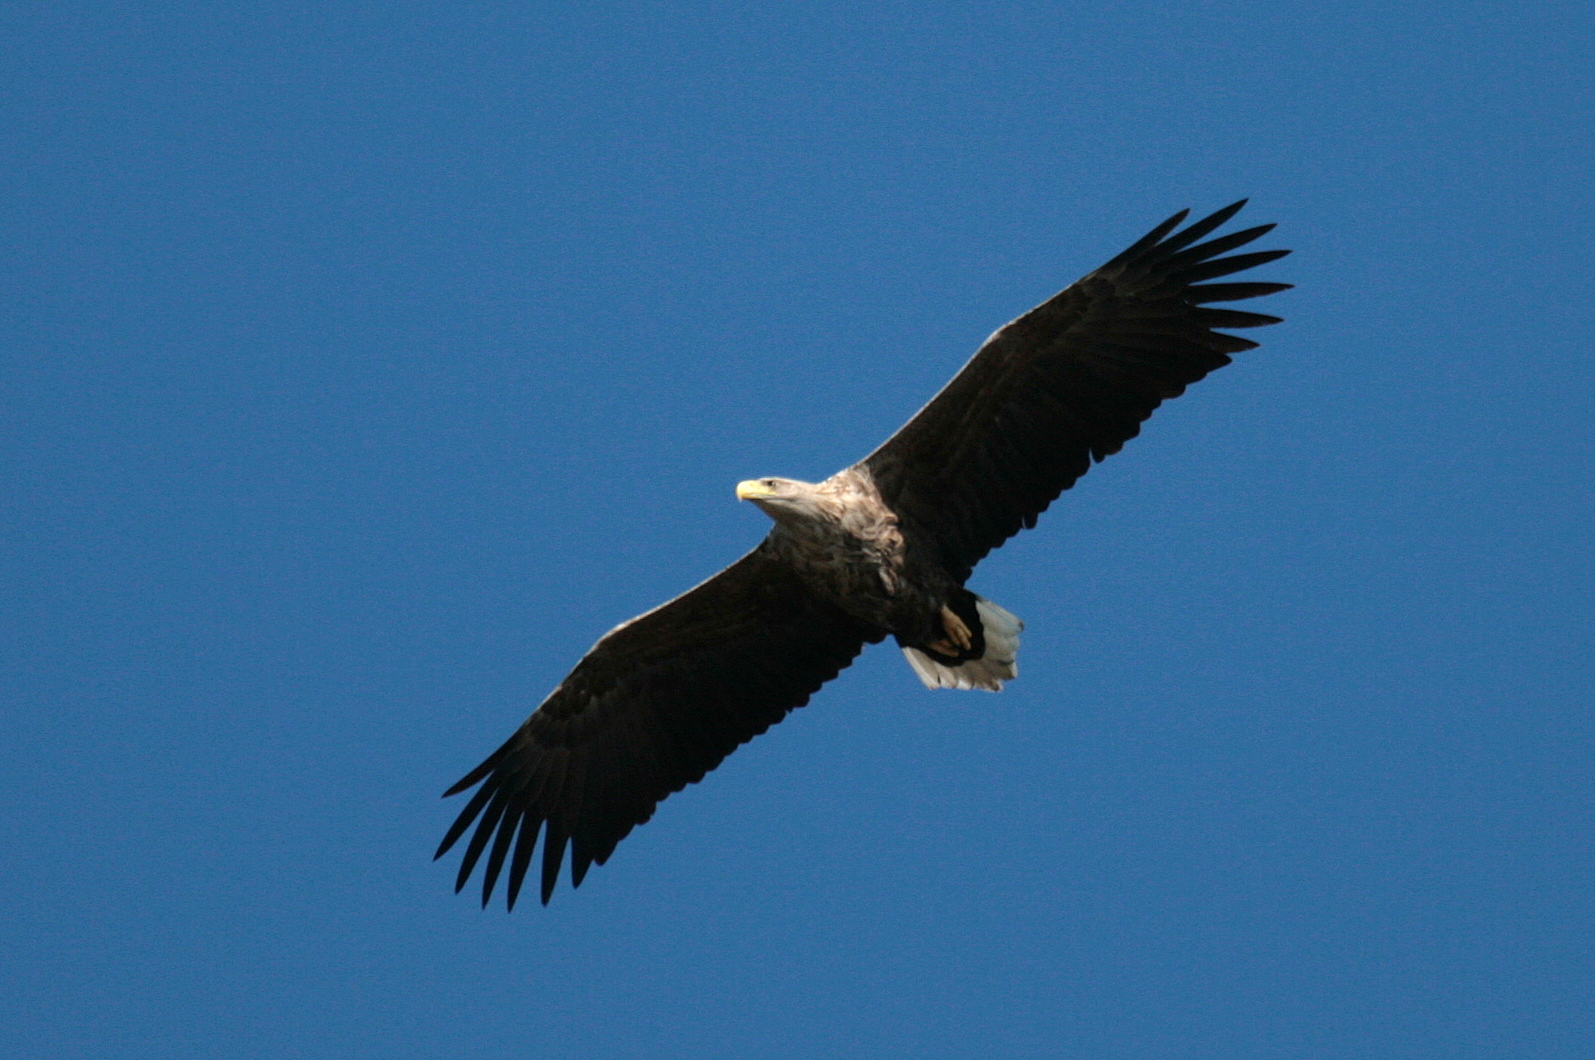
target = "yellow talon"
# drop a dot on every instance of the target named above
(957, 632)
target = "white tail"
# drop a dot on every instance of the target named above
(998, 664)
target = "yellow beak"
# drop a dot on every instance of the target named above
(752, 490)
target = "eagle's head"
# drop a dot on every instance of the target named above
(783, 499)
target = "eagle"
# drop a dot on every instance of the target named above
(882, 548)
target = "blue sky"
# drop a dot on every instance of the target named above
(363, 363)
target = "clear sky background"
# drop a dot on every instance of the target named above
(363, 362)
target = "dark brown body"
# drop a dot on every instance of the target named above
(850, 549)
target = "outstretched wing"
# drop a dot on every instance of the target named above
(656, 704)
(1070, 381)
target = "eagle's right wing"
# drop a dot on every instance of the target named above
(656, 704)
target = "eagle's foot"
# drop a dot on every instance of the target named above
(957, 638)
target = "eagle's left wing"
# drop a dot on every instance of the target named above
(1068, 383)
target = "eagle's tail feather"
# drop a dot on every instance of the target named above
(997, 664)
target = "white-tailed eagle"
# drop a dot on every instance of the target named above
(880, 549)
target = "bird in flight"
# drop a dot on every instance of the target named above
(882, 548)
